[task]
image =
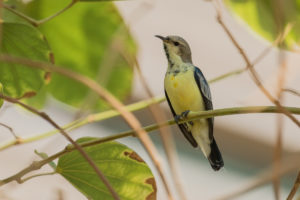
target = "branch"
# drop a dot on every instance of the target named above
(191, 116)
(292, 91)
(77, 146)
(17, 138)
(35, 22)
(295, 187)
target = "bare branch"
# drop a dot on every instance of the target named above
(11, 131)
(295, 187)
(292, 91)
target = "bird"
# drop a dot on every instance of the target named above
(186, 89)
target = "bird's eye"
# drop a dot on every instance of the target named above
(176, 43)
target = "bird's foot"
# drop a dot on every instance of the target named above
(182, 116)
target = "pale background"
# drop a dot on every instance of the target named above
(245, 140)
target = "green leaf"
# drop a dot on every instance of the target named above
(128, 174)
(260, 15)
(23, 41)
(81, 41)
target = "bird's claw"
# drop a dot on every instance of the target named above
(182, 116)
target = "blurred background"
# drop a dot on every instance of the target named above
(246, 141)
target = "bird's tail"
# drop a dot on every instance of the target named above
(215, 157)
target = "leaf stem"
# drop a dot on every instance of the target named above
(27, 18)
(39, 22)
(35, 22)
(37, 175)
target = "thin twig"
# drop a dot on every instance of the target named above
(292, 91)
(35, 22)
(78, 147)
(192, 116)
(104, 94)
(295, 187)
(37, 175)
(278, 147)
(250, 67)
(25, 17)
(42, 21)
(11, 130)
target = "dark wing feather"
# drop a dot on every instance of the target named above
(206, 96)
(183, 127)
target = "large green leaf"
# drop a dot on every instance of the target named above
(24, 41)
(80, 39)
(263, 17)
(128, 174)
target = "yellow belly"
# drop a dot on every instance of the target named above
(183, 92)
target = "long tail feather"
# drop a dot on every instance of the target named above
(215, 157)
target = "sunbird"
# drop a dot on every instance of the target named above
(186, 90)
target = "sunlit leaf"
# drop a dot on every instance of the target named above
(128, 174)
(23, 41)
(268, 18)
(81, 40)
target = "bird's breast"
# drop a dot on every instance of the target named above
(183, 92)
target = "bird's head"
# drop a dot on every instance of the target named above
(177, 49)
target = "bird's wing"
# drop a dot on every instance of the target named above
(206, 96)
(183, 127)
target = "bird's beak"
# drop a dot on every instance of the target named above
(161, 37)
